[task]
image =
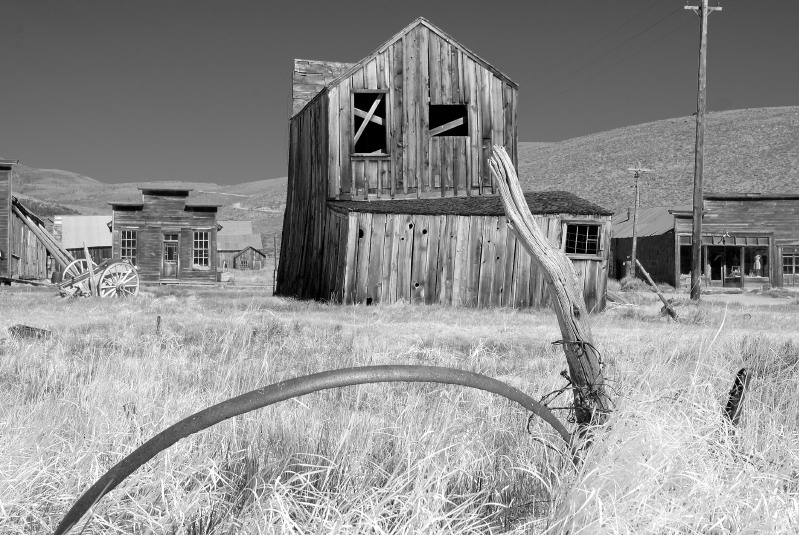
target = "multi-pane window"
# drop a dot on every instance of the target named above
(243, 263)
(201, 249)
(582, 239)
(127, 249)
(369, 123)
(790, 266)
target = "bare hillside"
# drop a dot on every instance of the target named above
(752, 150)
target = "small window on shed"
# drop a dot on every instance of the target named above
(369, 123)
(582, 239)
(449, 120)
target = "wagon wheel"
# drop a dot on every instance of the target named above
(75, 269)
(119, 280)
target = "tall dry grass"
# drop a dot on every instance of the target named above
(398, 458)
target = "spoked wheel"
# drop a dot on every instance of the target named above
(119, 280)
(77, 268)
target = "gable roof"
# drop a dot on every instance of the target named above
(89, 229)
(245, 250)
(237, 242)
(421, 21)
(652, 221)
(542, 202)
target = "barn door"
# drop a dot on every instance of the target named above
(169, 260)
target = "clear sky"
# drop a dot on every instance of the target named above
(200, 90)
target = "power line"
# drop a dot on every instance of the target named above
(582, 67)
(601, 39)
(612, 65)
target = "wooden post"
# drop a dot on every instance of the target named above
(633, 259)
(699, 152)
(666, 304)
(92, 281)
(591, 401)
(736, 399)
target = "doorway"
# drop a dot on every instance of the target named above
(170, 258)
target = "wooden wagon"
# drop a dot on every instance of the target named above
(110, 278)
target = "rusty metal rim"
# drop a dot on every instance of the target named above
(291, 388)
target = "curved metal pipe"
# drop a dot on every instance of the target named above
(282, 391)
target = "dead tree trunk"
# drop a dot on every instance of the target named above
(591, 402)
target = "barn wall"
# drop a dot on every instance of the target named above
(301, 255)
(418, 69)
(161, 216)
(5, 221)
(453, 260)
(656, 254)
(28, 255)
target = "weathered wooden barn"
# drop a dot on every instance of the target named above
(749, 240)
(93, 231)
(232, 239)
(249, 258)
(166, 237)
(23, 252)
(394, 150)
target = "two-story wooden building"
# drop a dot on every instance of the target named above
(166, 237)
(389, 192)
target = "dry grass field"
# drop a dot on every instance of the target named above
(391, 458)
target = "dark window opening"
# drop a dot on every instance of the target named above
(369, 123)
(686, 259)
(582, 239)
(449, 120)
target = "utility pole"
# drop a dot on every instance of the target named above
(699, 153)
(638, 170)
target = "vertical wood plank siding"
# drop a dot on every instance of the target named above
(5, 222)
(418, 69)
(305, 234)
(453, 260)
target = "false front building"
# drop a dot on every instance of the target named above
(389, 184)
(168, 239)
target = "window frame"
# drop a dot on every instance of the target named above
(134, 258)
(599, 255)
(353, 132)
(445, 134)
(195, 249)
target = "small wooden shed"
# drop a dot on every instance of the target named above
(166, 237)
(249, 258)
(388, 158)
(233, 238)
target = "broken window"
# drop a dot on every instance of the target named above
(449, 120)
(369, 123)
(581, 239)
(201, 249)
(127, 250)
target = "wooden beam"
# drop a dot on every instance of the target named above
(59, 253)
(365, 115)
(444, 127)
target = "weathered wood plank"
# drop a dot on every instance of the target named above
(370, 74)
(475, 261)
(397, 249)
(475, 128)
(485, 288)
(345, 136)
(498, 281)
(375, 281)
(398, 134)
(485, 128)
(419, 266)
(460, 282)
(351, 266)
(424, 109)
(364, 253)
(389, 263)
(410, 92)
(334, 155)
(432, 269)
(510, 259)
(405, 260)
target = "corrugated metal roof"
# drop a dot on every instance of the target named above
(237, 242)
(541, 202)
(235, 227)
(89, 229)
(652, 221)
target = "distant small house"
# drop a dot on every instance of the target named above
(232, 239)
(169, 239)
(249, 258)
(75, 231)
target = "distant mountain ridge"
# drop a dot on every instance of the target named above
(752, 150)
